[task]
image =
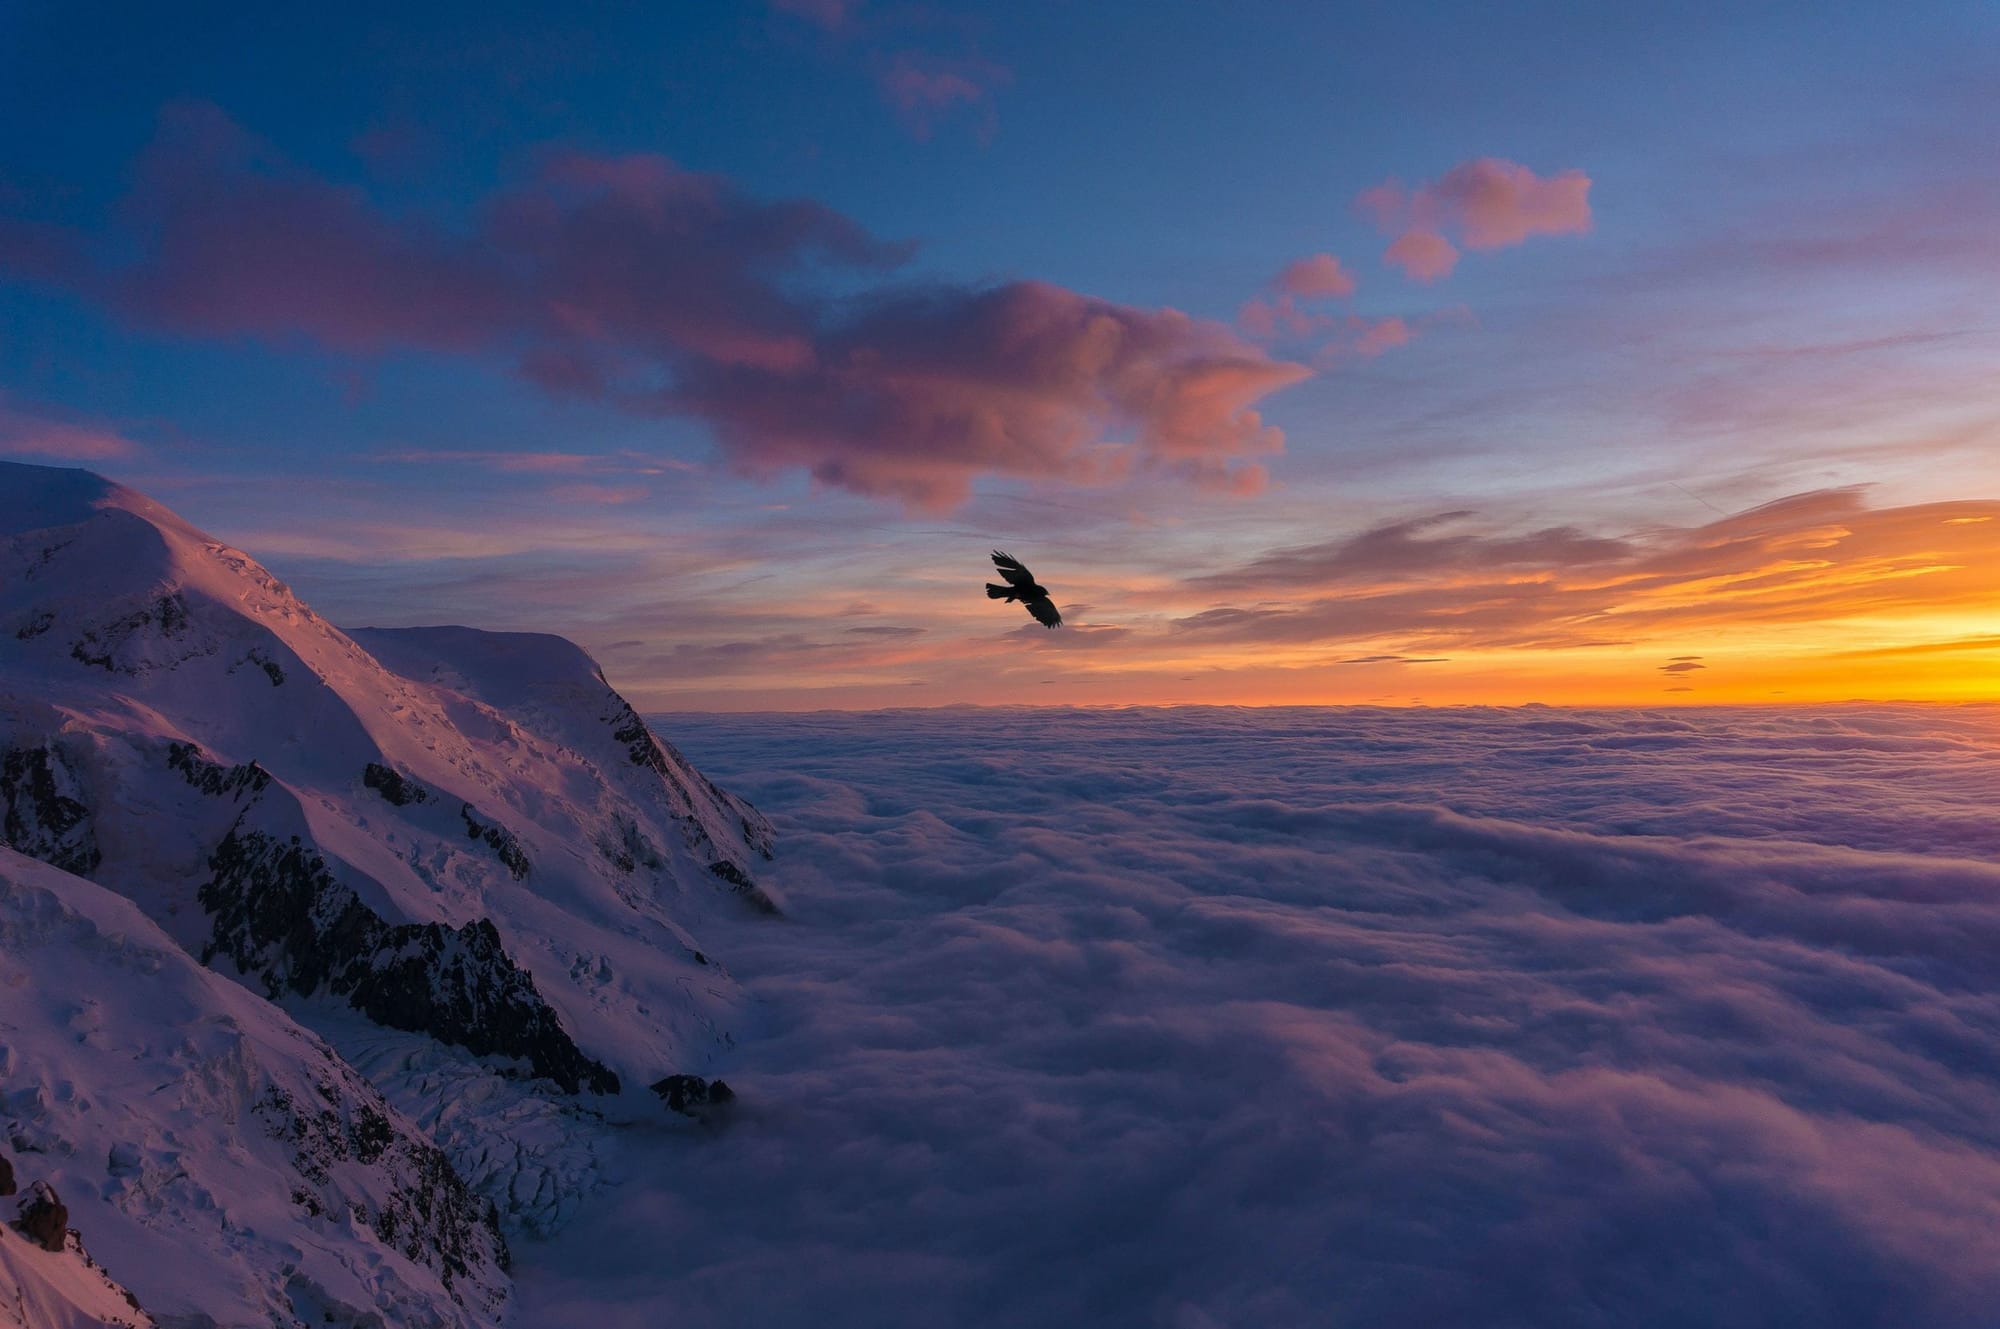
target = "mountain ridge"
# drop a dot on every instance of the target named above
(462, 856)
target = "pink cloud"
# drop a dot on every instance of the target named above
(1280, 316)
(599, 494)
(663, 291)
(1381, 335)
(1424, 255)
(1318, 277)
(30, 434)
(1487, 203)
(1499, 203)
(932, 389)
(1366, 338)
(924, 89)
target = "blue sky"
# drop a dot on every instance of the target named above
(327, 282)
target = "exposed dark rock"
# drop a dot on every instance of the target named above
(7, 1186)
(215, 779)
(44, 1218)
(429, 1213)
(748, 889)
(284, 919)
(41, 622)
(104, 644)
(690, 1094)
(393, 785)
(261, 658)
(45, 816)
(640, 745)
(645, 748)
(497, 838)
(631, 848)
(47, 556)
(760, 839)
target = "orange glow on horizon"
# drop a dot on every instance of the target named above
(1814, 599)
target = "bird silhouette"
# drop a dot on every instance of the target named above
(1022, 586)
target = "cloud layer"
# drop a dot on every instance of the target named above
(668, 292)
(1198, 1018)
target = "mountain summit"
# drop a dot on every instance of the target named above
(461, 857)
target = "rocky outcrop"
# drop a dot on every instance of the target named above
(505, 846)
(630, 850)
(213, 778)
(154, 635)
(283, 919)
(228, 1166)
(740, 881)
(394, 786)
(43, 1217)
(261, 658)
(691, 1095)
(645, 748)
(7, 1185)
(429, 1213)
(46, 814)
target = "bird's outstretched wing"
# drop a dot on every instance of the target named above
(1044, 610)
(1012, 569)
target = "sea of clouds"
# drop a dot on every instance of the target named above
(1217, 1017)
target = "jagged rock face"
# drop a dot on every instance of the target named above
(43, 1218)
(752, 893)
(646, 749)
(45, 814)
(7, 1184)
(691, 1094)
(428, 1214)
(499, 839)
(225, 1164)
(215, 779)
(281, 917)
(392, 784)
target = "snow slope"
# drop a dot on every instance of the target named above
(41, 1290)
(222, 1161)
(465, 844)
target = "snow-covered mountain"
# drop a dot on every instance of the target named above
(218, 1159)
(459, 856)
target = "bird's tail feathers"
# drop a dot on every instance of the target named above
(999, 592)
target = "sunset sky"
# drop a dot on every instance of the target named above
(1386, 353)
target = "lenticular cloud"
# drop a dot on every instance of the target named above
(1201, 1018)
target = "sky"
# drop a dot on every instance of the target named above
(1443, 354)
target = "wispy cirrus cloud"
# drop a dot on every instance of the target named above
(664, 292)
(1822, 558)
(1486, 203)
(927, 89)
(42, 434)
